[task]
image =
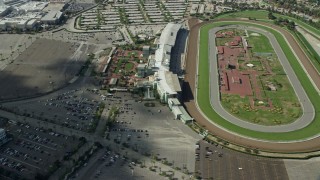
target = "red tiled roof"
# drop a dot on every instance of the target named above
(220, 49)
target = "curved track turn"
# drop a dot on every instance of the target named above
(189, 94)
(308, 109)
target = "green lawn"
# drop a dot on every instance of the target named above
(119, 63)
(128, 66)
(259, 43)
(306, 46)
(284, 100)
(263, 15)
(246, 14)
(203, 90)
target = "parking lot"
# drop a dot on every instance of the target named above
(149, 130)
(35, 150)
(100, 38)
(215, 162)
(154, 132)
(107, 164)
(74, 108)
(149, 30)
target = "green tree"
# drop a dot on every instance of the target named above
(271, 16)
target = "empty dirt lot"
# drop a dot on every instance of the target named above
(188, 96)
(44, 66)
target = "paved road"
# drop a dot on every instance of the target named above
(307, 107)
(190, 104)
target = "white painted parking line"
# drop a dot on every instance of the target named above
(21, 161)
(39, 144)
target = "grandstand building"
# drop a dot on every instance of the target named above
(166, 82)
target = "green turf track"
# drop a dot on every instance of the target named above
(203, 90)
(263, 15)
(313, 55)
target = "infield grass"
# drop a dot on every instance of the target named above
(263, 15)
(284, 102)
(203, 90)
(260, 43)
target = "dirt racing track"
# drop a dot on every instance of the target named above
(189, 94)
(307, 106)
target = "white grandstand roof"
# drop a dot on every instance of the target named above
(169, 34)
(185, 115)
(169, 82)
(165, 43)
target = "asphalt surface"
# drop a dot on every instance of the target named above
(90, 137)
(215, 162)
(189, 92)
(307, 107)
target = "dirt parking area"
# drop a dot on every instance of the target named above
(44, 66)
(11, 42)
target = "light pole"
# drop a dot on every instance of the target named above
(30, 37)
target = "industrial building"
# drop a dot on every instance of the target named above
(18, 23)
(52, 17)
(28, 15)
(33, 6)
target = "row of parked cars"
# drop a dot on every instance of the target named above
(14, 165)
(77, 111)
